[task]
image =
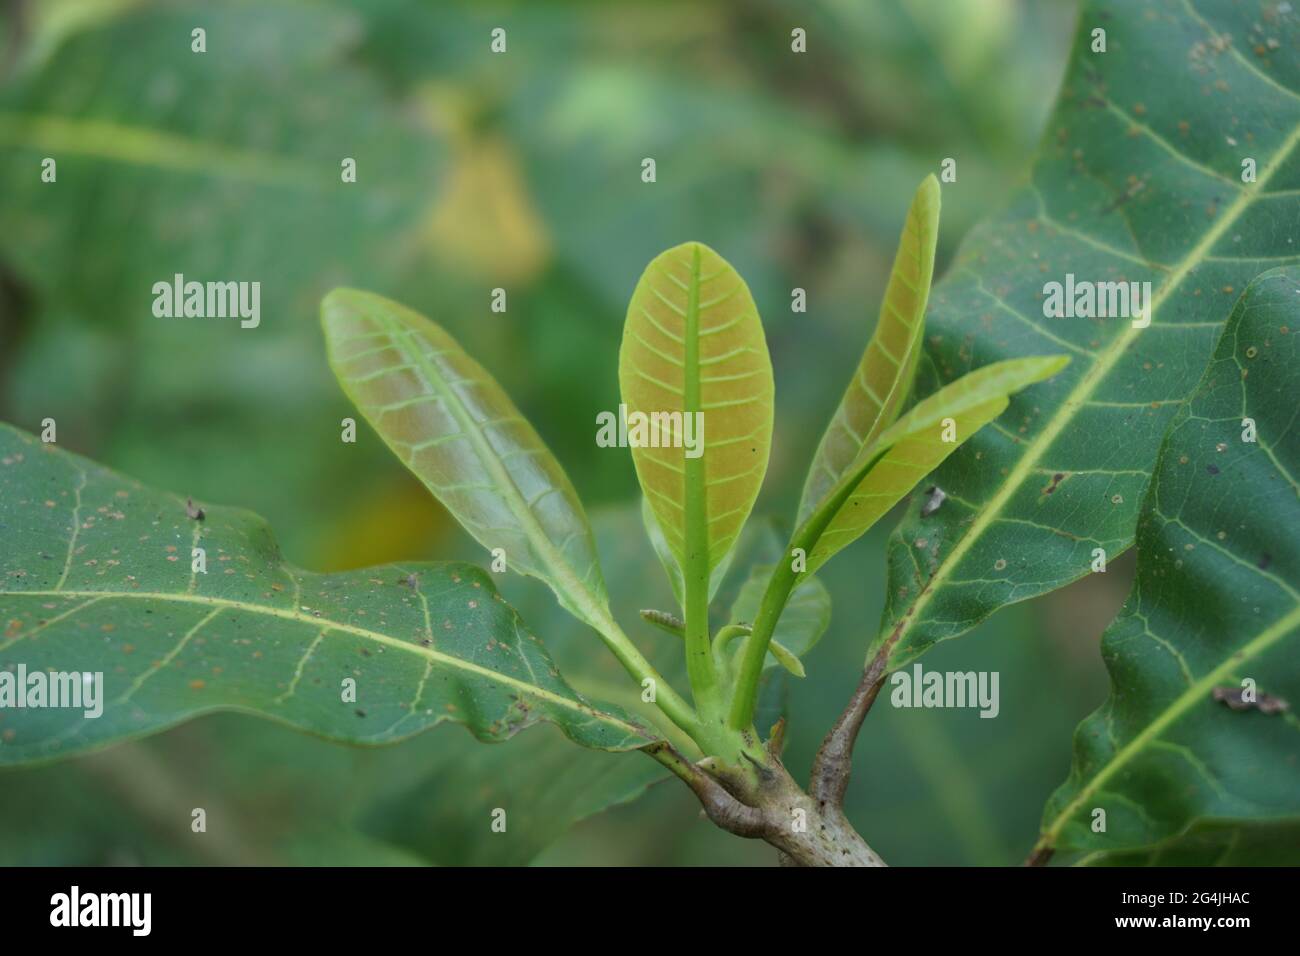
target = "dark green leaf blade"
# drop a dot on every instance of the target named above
(1215, 602)
(1137, 179)
(1220, 844)
(96, 576)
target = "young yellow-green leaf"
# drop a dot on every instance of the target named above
(450, 422)
(693, 343)
(696, 383)
(669, 562)
(182, 612)
(883, 378)
(878, 478)
(915, 445)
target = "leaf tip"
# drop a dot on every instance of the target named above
(1053, 364)
(341, 305)
(926, 203)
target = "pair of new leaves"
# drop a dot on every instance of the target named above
(692, 343)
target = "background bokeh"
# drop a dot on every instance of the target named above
(519, 171)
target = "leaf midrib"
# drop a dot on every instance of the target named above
(1196, 692)
(1089, 382)
(380, 638)
(141, 146)
(698, 557)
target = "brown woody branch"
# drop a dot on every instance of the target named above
(769, 805)
(834, 761)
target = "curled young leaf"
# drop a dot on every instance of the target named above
(907, 451)
(883, 377)
(806, 616)
(879, 477)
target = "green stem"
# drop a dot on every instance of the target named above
(777, 593)
(779, 586)
(674, 707)
(695, 575)
(724, 637)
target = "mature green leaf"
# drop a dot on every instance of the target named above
(885, 472)
(450, 422)
(1215, 603)
(805, 619)
(693, 345)
(1138, 179)
(1213, 844)
(883, 378)
(96, 576)
(437, 806)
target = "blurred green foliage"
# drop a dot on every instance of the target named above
(519, 171)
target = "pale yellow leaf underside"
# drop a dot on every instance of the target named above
(450, 422)
(728, 359)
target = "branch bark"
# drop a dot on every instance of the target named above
(1040, 856)
(834, 762)
(765, 803)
